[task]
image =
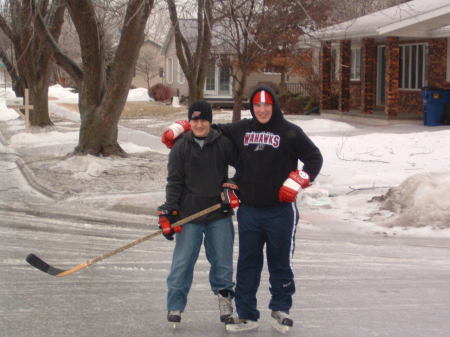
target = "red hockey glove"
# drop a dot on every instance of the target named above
(174, 131)
(292, 185)
(166, 217)
(229, 196)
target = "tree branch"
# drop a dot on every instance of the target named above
(127, 51)
(61, 59)
(91, 37)
(182, 47)
(6, 29)
(8, 65)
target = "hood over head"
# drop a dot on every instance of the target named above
(268, 96)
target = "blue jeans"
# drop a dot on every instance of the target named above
(219, 239)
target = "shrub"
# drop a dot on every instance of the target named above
(296, 104)
(160, 92)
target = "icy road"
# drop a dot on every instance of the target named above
(347, 284)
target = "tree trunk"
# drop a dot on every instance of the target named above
(102, 99)
(39, 115)
(98, 134)
(34, 60)
(18, 89)
(17, 84)
(238, 96)
(195, 92)
(193, 61)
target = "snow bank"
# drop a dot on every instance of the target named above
(133, 148)
(43, 138)
(421, 200)
(139, 94)
(85, 167)
(7, 114)
(66, 95)
(63, 94)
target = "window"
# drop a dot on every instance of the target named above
(169, 70)
(355, 72)
(224, 79)
(181, 77)
(413, 66)
(211, 76)
(272, 69)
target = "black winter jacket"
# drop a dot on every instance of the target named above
(195, 174)
(267, 153)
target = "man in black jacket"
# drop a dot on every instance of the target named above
(269, 148)
(197, 171)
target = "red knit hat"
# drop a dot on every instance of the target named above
(262, 96)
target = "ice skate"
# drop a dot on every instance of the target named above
(235, 324)
(174, 318)
(225, 298)
(281, 321)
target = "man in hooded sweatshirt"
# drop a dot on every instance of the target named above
(269, 148)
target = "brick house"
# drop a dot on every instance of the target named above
(378, 63)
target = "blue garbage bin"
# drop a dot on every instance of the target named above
(434, 105)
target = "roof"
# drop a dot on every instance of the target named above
(417, 19)
(156, 44)
(189, 30)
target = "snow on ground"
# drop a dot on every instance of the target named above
(43, 138)
(394, 175)
(7, 114)
(68, 95)
(63, 95)
(139, 94)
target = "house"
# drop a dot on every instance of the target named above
(149, 66)
(378, 63)
(219, 83)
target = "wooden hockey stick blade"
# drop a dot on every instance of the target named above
(40, 264)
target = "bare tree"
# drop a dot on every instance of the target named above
(344, 10)
(240, 32)
(147, 66)
(192, 56)
(17, 85)
(285, 24)
(158, 24)
(103, 89)
(32, 64)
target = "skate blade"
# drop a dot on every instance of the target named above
(174, 325)
(232, 328)
(280, 327)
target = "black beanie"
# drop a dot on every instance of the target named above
(200, 110)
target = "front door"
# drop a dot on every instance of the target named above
(381, 75)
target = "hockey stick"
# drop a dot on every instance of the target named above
(40, 264)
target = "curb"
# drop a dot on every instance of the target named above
(30, 177)
(3, 140)
(32, 181)
(106, 218)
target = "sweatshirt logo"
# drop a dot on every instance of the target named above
(261, 139)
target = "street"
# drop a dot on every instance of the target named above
(347, 284)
